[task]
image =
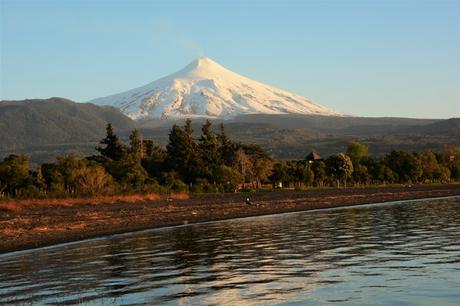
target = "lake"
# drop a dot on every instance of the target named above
(405, 253)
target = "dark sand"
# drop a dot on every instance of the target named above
(37, 226)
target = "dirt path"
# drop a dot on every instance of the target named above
(36, 226)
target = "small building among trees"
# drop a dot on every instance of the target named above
(312, 157)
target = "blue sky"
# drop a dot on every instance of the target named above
(368, 58)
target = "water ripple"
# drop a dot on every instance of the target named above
(406, 253)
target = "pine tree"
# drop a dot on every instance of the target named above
(209, 148)
(135, 143)
(226, 147)
(183, 155)
(113, 149)
(188, 129)
(176, 148)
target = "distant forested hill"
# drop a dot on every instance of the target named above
(55, 121)
(44, 129)
(294, 136)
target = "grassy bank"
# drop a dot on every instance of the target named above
(12, 205)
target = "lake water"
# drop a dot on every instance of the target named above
(405, 253)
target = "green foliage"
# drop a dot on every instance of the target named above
(14, 174)
(300, 173)
(359, 155)
(361, 174)
(172, 182)
(297, 173)
(128, 172)
(135, 143)
(406, 165)
(381, 173)
(227, 148)
(227, 177)
(305, 173)
(151, 150)
(320, 172)
(70, 175)
(113, 149)
(442, 174)
(209, 150)
(211, 163)
(53, 178)
(68, 167)
(202, 185)
(339, 167)
(455, 169)
(357, 151)
(182, 152)
(280, 173)
(430, 166)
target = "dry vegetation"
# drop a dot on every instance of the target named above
(34, 223)
(18, 205)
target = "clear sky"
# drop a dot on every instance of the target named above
(368, 58)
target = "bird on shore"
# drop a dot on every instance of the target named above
(251, 203)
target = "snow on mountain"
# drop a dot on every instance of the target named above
(206, 89)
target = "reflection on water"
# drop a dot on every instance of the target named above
(396, 254)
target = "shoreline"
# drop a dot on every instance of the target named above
(40, 226)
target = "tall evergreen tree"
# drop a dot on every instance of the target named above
(113, 149)
(182, 152)
(209, 148)
(135, 143)
(176, 148)
(226, 147)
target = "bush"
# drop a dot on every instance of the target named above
(178, 186)
(203, 186)
(31, 191)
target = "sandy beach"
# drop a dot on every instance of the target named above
(37, 225)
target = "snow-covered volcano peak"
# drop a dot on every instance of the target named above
(203, 62)
(204, 88)
(203, 67)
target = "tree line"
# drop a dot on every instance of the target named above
(212, 163)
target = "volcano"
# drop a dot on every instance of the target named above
(206, 89)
